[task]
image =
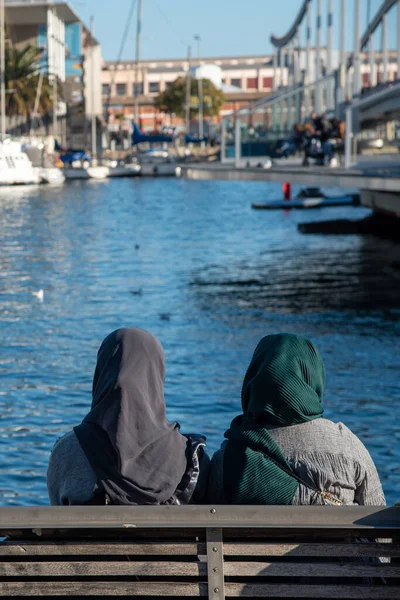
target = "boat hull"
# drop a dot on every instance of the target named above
(304, 203)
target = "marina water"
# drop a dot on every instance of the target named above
(191, 262)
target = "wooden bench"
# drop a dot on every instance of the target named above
(200, 551)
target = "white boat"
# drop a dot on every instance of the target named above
(158, 163)
(50, 175)
(102, 172)
(15, 166)
(89, 173)
(118, 169)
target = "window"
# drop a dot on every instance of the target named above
(267, 82)
(105, 89)
(154, 87)
(121, 89)
(252, 83)
(138, 88)
(168, 84)
(236, 82)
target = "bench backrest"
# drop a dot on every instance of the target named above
(201, 551)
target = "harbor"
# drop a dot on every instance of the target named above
(264, 200)
(200, 299)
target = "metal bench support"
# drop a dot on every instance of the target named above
(215, 564)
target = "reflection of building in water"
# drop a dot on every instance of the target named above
(243, 78)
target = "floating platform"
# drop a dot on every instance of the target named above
(303, 203)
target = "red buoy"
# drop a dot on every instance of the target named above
(287, 191)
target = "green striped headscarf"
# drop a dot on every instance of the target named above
(283, 386)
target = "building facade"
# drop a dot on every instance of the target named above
(69, 53)
(244, 78)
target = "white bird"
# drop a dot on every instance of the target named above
(39, 295)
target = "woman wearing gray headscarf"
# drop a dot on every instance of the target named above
(125, 451)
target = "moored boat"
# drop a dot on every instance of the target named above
(15, 166)
(158, 163)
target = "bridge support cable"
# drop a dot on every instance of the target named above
(371, 52)
(398, 38)
(329, 65)
(384, 49)
(318, 100)
(308, 60)
(341, 91)
(356, 52)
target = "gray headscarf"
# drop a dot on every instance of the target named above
(137, 455)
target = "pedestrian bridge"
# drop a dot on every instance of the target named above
(361, 87)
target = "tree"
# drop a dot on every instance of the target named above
(23, 83)
(173, 99)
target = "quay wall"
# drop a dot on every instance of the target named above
(380, 192)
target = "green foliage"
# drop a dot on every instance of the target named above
(22, 77)
(173, 99)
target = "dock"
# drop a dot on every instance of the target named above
(379, 184)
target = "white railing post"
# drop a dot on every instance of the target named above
(329, 99)
(371, 52)
(223, 141)
(238, 142)
(348, 137)
(275, 67)
(308, 60)
(318, 60)
(342, 52)
(384, 48)
(356, 53)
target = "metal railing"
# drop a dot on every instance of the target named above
(284, 109)
(357, 104)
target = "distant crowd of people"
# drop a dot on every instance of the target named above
(319, 138)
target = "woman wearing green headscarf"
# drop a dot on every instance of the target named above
(281, 450)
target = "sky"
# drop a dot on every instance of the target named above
(226, 27)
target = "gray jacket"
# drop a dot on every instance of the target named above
(326, 456)
(72, 481)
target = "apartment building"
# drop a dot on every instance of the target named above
(243, 80)
(69, 52)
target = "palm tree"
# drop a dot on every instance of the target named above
(24, 82)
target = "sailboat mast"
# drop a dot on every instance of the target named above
(188, 86)
(137, 60)
(92, 84)
(3, 125)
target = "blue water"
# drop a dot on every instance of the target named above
(209, 278)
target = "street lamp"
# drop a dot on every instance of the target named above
(201, 124)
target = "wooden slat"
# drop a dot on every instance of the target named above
(318, 549)
(100, 548)
(192, 516)
(343, 592)
(297, 535)
(115, 588)
(102, 569)
(289, 569)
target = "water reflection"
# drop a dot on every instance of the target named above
(361, 275)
